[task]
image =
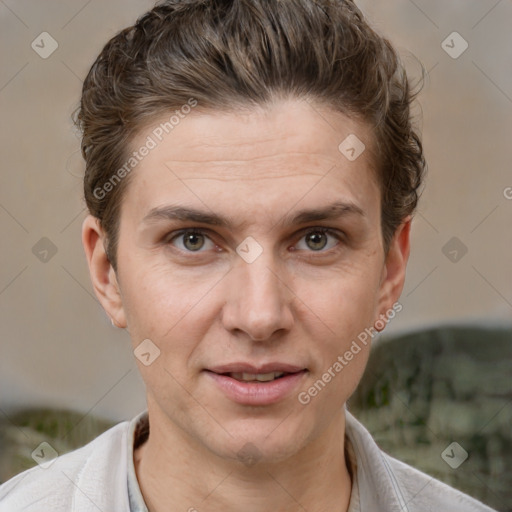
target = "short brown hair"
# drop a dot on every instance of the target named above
(229, 54)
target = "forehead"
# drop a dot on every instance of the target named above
(256, 156)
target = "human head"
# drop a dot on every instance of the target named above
(224, 55)
(252, 157)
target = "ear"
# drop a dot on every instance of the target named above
(393, 273)
(103, 276)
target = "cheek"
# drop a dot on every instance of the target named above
(348, 302)
(162, 307)
(158, 301)
(347, 310)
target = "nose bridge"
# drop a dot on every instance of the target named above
(261, 282)
(258, 304)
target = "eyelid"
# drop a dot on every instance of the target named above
(322, 229)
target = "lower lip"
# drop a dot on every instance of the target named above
(257, 393)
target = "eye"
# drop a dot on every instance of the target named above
(316, 239)
(192, 240)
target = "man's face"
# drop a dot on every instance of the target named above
(263, 292)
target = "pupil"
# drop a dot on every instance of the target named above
(192, 237)
(314, 237)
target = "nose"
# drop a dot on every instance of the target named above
(258, 299)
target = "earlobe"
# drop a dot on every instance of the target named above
(103, 276)
(393, 275)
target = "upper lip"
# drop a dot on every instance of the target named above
(241, 367)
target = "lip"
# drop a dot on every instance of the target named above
(256, 393)
(241, 367)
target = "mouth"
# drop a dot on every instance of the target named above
(250, 385)
(256, 377)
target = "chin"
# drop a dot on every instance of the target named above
(257, 442)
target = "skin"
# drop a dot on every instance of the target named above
(301, 301)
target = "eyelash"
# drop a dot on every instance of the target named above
(204, 232)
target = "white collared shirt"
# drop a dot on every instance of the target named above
(101, 476)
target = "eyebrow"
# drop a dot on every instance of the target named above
(332, 211)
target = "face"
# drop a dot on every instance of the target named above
(251, 255)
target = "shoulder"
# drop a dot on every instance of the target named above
(74, 481)
(387, 484)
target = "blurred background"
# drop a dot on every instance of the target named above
(59, 350)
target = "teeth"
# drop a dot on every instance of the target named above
(260, 377)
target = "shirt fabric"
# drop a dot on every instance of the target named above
(101, 476)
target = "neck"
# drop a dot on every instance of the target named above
(172, 469)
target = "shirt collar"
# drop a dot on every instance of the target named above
(137, 435)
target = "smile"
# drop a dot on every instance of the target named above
(248, 385)
(260, 377)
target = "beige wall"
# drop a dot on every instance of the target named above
(57, 346)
